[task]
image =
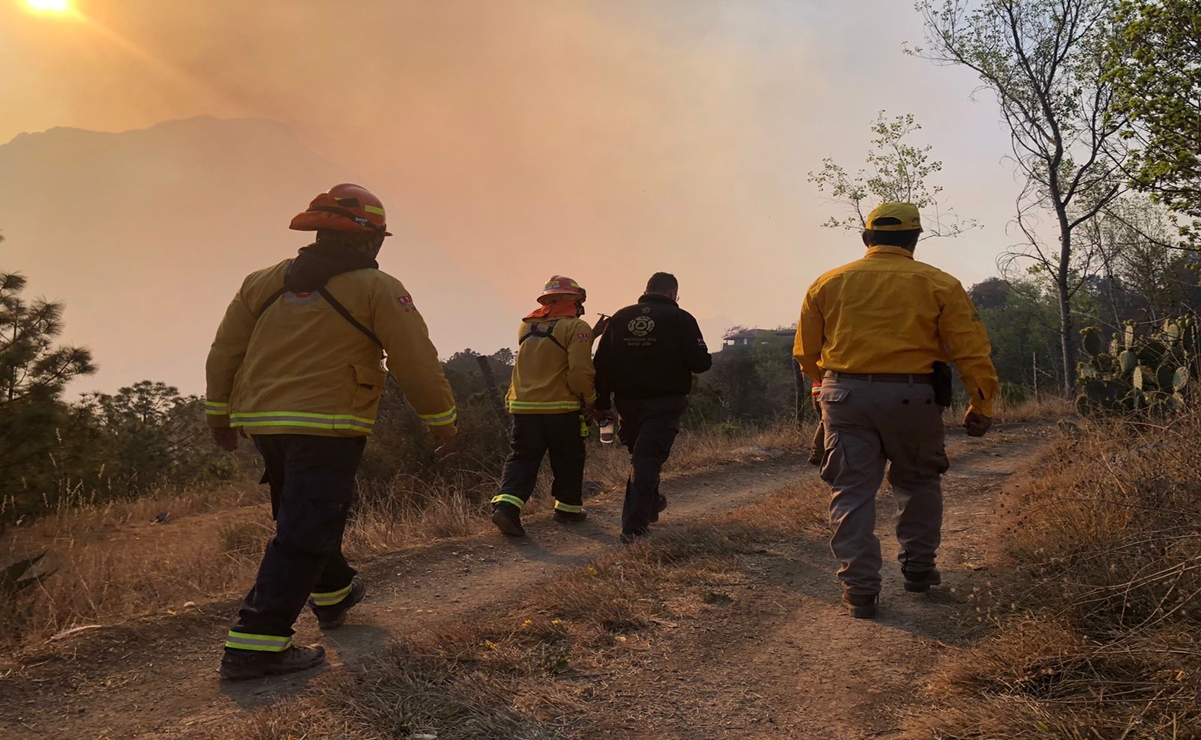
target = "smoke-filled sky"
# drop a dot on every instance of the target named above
(602, 139)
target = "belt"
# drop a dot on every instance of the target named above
(921, 378)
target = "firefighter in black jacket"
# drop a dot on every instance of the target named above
(646, 359)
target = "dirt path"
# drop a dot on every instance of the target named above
(781, 660)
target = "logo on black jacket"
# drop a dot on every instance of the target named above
(641, 326)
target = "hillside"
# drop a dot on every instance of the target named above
(145, 234)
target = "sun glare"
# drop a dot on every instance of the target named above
(49, 6)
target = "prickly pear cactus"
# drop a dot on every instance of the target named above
(1129, 372)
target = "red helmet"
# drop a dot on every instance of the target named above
(345, 207)
(562, 285)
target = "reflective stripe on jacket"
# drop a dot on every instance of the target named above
(301, 368)
(550, 378)
(888, 313)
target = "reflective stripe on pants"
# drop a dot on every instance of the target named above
(533, 436)
(258, 643)
(312, 481)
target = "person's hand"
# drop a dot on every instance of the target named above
(447, 446)
(600, 417)
(977, 425)
(226, 438)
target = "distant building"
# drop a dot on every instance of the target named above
(740, 337)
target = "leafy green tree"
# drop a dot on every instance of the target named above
(402, 446)
(1156, 75)
(752, 382)
(151, 432)
(896, 171)
(1047, 63)
(1021, 319)
(1147, 278)
(34, 371)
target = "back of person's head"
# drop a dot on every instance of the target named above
(893, 224)
(905, 239)
(662, 283)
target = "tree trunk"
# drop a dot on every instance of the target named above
(803, 393)
(1063, 288)
(1067, 340)
(493, 391)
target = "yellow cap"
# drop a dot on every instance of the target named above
(895, 217)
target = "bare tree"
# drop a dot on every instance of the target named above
(1140, 245)
(1045, 60)
(896, 171)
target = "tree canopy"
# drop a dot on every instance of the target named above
(896, 171)
(1156, 75)
(1046, 61)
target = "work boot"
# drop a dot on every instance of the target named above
(570, 517)
(660, 505)
(920, 583)
(861, 606)
(239, 665)
(507, 519)
(333, 616)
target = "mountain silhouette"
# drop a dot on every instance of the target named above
(146, 234)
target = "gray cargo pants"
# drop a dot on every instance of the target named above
(869, 423)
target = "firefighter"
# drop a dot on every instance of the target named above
(646, 359)
(875, 332)
(550, 396)
(296, 365)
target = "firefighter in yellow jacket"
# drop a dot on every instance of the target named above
(877, 333)
(551, 392)
(296, 365)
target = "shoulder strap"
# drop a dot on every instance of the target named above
(547, 333)
(333, 302)
(267, 303)
(349, 317)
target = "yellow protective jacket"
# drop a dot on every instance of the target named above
(889, 313)
(554, 368)
(299, 367)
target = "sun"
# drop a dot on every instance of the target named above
(49, 6)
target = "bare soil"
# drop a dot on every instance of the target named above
(773, 655)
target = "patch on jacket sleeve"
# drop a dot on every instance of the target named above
(584, 337)
(406, 302)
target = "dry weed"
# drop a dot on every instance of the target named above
(800, 508)
(524, 674)
(115, 560)
(242, 539)
(1047, 407)
(1099, 628)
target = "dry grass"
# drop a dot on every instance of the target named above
(1044, 408)
(526, 674)
(1099, 627)
(114, 561)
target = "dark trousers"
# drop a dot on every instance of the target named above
(873, 427)
(534, 435)
(312, 488)
(648, 429)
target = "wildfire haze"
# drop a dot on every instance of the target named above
(509, 141)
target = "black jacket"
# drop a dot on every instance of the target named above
(649, 350)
